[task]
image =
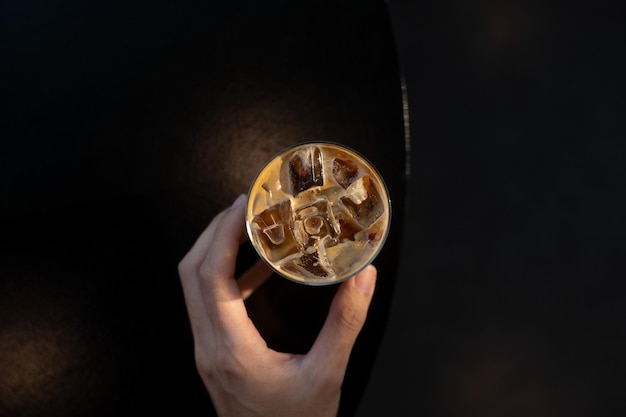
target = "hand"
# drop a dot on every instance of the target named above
(243, 376)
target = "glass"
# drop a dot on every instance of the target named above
(318, 213)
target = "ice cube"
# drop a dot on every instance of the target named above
(344, 171)
(363, 201)
(309, 265)
(313, 225)
(346, 225)
(271, 230)
(314, 221)
(305, 170)
(275, 233)
(344, 255)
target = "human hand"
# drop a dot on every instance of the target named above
(242, 375)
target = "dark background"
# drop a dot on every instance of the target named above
(127, 126)
(508, 298)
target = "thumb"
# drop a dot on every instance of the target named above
(345, 320)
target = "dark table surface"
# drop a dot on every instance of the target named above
(127, 128)
(500, 289)
(510, 298)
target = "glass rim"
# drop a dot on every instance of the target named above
(339, 277)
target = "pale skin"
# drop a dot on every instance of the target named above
(242, 375)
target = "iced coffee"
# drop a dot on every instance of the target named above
(318, 213)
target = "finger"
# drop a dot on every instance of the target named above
(345, 320)
(192, 290)
(253, 278)
(222, 298)
(217, 269)
(193, 259)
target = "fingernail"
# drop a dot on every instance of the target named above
(365, 281)
(239, 201)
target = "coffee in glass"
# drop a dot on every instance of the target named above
(318, 213)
